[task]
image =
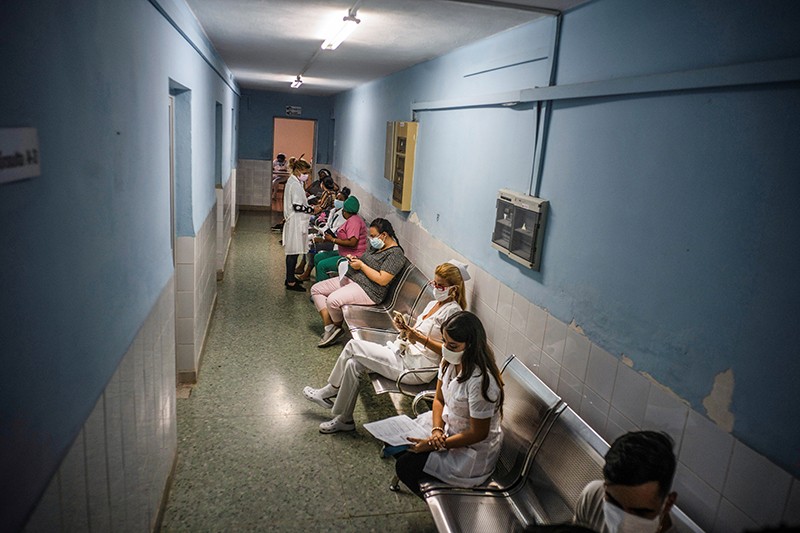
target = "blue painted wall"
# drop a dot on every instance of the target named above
(258, 111)
(86, 245)
(673, 214)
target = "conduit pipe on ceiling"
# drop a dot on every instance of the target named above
(754, 73)
(509, 5)
(543, 110)
(352, 11)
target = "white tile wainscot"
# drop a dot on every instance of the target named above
(612, 396)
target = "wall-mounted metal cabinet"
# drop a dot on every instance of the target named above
(401, 144)
(519, 227)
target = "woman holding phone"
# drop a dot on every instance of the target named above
(366, 281)
(349, 239)
(421, 348)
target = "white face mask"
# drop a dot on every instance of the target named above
(618, 521)
(376, 243)
(441, 295)
(338, 204)
(454, 358)
(303, 177)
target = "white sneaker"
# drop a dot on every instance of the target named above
(315, 395)
(336, 425)
(329, 337)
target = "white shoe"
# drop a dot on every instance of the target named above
(315, 395)
(336, 425)
(329, 337)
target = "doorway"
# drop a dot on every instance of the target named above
(293, 137)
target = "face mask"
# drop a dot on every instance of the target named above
(441, 294)
(338, 204)
(303, 177)
(454, 358)
(618, 521)
(376, 243)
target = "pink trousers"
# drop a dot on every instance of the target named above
(333, 294)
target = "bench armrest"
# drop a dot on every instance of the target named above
(423, 370)
(428, 395)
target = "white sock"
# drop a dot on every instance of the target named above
(329, 327)
(328, 390)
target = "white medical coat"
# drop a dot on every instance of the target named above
(295, 229)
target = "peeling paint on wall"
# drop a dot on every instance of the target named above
(625, 360)
(718, 402)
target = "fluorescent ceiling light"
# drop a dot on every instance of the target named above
(297, 82)
(350, 23)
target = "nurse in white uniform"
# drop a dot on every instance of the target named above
(297, 214)
(423, 349)
(465, 437)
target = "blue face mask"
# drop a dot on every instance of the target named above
(376, 243)
(338, 204)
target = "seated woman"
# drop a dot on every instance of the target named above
(349, 239)
(366, 281)
(465, 437)
(424, 350)
(328, 194)
(334, 220)
(322, 204)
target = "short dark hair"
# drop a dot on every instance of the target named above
(639, 457)
(328, 183)
(345, 191)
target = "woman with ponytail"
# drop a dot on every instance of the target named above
(365, 282)
(422, 348)
(296, 213)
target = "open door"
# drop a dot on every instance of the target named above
(293, 137)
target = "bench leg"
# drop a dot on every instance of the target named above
(395, 486)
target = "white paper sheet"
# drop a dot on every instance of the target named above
(342, 268)
(396, 430)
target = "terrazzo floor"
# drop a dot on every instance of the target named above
(250, 456)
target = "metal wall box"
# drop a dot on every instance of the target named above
(519, 227)
(401, 144)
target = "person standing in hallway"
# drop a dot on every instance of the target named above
(296, 213)
(423, 349)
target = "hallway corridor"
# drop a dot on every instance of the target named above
(250, 457)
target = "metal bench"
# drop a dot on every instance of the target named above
(410, 289)
(529, 409)
(382, 384)
(566, 455)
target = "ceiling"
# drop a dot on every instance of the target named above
(267, 43)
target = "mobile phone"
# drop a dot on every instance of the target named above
(331, 233)
(400, 317)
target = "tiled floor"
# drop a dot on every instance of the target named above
(250, 457)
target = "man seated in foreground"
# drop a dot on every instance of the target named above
(635, 494)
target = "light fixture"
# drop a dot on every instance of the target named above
(350, 23)
(297, 82)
